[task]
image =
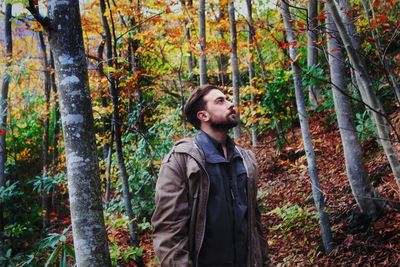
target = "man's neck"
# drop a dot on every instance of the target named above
(219, 135)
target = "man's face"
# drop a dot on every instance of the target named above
(219, 111)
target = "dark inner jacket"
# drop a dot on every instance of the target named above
(225, 237)
(181, 203)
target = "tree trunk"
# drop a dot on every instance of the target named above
(46, 141)
(111, 62)
(54, 160)
(361, 187)
(188, 37)
(202, 29)
(366, 86)
(312, 52)
(250, 59)
(108, 170)
(235, 67)
(389, 75)
(3, 110)
(222, 59)
(305, 131)
(66, 41)
(56, 114)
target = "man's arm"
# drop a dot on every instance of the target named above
(262, 240)
(172, 214)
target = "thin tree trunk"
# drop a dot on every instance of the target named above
(56, 114)
(108, 170)
(312, 54)
(66, 42)
(56, 130)
(388, 74)
(378, 112)
(361, 187)
(190, 58)
(235, 67)
(111, 62)
(3, 111)
(250, 59)
(308, 147)
(202, 29)
(46, 141)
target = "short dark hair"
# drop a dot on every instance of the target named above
(195, 103)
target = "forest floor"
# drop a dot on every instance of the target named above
(289, 220)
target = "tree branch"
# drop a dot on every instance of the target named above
(44, 21)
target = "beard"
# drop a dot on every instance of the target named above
(225, 123)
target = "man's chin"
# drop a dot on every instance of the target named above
(226, 125)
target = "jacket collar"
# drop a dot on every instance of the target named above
(212, 149)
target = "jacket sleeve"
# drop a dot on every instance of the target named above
(172, 214)
(263, 242)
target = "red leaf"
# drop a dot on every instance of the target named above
(376, 3)
(2, 132)
(374, 23)
(321, 15)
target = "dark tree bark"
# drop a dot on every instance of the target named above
(3, 110)
(305, 131)
(117, 123)
(362, 189)
(46, 141)
(235, 67)
(66, 41)
(56, 133)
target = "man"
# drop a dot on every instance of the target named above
(206, 211)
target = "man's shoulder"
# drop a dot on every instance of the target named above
(184, 146)
(245, 151)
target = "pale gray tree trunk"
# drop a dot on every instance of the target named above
(312, 52)
(202, 29)
(235, 67)
(3, 110)
(66, 42)
(250, 59)
(371, 99)
(361, 187)
(305, 131)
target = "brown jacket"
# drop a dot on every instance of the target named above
(181, 200)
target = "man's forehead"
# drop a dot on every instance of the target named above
(213, 94)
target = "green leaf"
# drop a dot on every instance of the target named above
(53, 256)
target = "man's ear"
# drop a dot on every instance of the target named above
(203, 115)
